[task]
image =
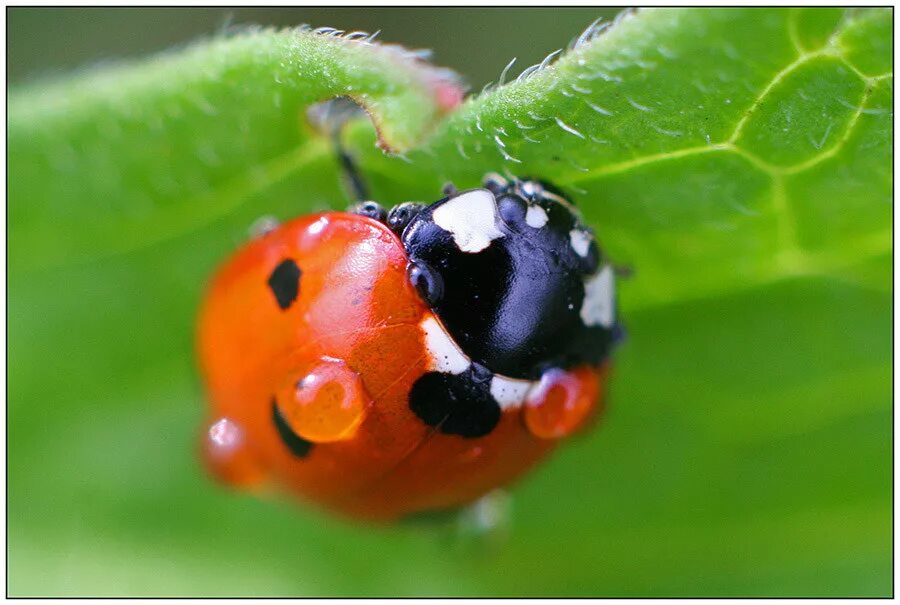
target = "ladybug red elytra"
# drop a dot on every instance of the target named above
(383, 364)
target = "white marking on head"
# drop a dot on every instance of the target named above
(581, 241)
(598, 306)
(536, 216)
(531, 189)
(472, 219)
(444, 354)
(509, 392)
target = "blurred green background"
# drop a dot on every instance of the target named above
(758, 468)
(475, 42)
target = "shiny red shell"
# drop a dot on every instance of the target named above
(353, 332)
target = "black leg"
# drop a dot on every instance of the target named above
(352, 177)
(402, 214)
(329, 118)
(371, 209)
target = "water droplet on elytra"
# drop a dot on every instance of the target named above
(325, 403)
(560, 402)
(224, 434)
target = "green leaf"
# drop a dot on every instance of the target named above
(678, 129)
(738, 160)
(133, 155)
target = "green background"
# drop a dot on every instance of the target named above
(475, 42)
(746, 448)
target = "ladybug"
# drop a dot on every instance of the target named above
(384, 364)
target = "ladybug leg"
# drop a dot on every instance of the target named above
(370, 209)
(263, 225)
(495, 183)
(352, 176)
(330, 117)
(449, 189)
(482, 525)
(623, 271)
(485, 524)
(401, 215)
(619, 333)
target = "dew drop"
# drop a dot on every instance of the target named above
(325, 404)
(228, 455)
(560, 403)
(224, 435)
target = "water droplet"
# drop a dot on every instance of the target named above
(561, 402)
(228, 455)
(326, 403)
(224, 435)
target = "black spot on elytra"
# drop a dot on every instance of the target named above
(458, 404)
(285, 283)
(298, 445)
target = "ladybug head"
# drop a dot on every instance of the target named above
(514, 275)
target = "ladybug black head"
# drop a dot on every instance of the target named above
(514, 275)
